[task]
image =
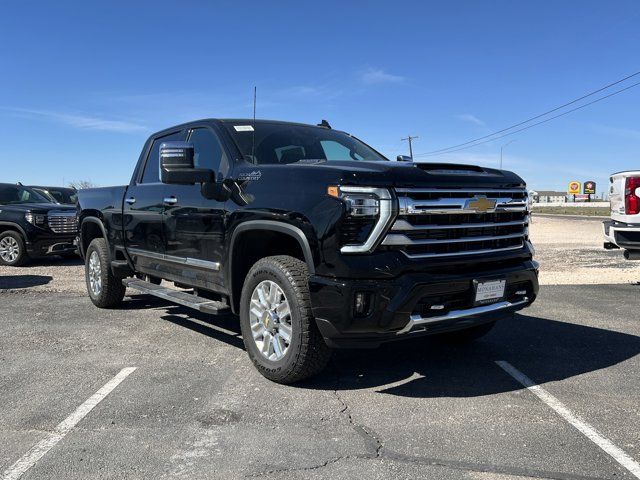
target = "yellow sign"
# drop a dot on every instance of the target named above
(574, 188)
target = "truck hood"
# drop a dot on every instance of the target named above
(414, 174)
(37, 207)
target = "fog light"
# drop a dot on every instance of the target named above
(521, 292)
(362, 304)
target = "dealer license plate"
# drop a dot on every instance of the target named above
(489, 291)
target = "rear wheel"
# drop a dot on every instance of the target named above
(279, 331)
(12, 249)
(105, 289)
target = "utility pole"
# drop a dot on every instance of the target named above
(501, 148)
(409, 139)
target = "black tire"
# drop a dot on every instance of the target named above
(111, 290)
(307, 353)
(468, 334)
(16, 241)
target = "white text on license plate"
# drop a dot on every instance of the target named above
(490, 290)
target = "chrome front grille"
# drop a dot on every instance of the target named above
(63, 222)
(450, 222)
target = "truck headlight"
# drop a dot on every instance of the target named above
(34, 218)
(368, 213)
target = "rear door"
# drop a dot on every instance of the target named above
(194, 225)
(143, 209)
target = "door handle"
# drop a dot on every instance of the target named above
(170, 200)
(130, 200)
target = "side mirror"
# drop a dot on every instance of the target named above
(404, 158)
(177, 165)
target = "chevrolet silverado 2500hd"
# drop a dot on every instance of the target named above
(623, 230)
(312, 237)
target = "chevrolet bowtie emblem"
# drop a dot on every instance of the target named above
(480, 204)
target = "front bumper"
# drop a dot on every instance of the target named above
(45, 245)
(400, 307)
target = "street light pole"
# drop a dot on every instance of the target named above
(501, 148)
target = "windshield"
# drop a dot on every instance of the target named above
(281, 143)
(59, 195)
(15, 194)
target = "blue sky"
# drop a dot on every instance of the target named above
(84, 83)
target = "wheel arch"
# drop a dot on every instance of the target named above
(292, 242)
(4, 226)
(90, 228)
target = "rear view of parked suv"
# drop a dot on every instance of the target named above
(32, 226)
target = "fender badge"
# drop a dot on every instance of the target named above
(254, 175)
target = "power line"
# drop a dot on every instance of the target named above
(533, 125)
(533, 118)
(409, 139)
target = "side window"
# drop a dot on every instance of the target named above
(208, 151)
(151, 172)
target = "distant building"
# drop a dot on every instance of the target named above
(549, 197)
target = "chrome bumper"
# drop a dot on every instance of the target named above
(417, 320)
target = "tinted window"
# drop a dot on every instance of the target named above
(338, 151)
(208, 152)
(46, 195)
(60, 195)
(11, 194)
(152, 167)
(281, 143)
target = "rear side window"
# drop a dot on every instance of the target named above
(151, 172)
(208, 151)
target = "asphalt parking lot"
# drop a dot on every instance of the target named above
(191, 405)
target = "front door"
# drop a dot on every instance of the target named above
(193, 224)
(143, 209)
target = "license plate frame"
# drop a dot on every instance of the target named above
(488, 291)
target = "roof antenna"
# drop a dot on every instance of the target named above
(253, 132)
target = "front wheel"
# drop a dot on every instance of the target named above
(105, 289)
(279, 331)
(12, 249)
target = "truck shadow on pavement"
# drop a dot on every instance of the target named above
(545, 350)
(224, 328)
(9, 282)
(54, 261)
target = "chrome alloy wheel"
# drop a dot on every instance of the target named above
(270, 320)
(95, 274)
(9, 249)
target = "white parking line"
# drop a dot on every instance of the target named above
(583, 427)
(30, 458)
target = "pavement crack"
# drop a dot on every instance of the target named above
(324, 464)
(372, 441)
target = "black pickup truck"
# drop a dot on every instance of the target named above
(313, 238)
(33, 226)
